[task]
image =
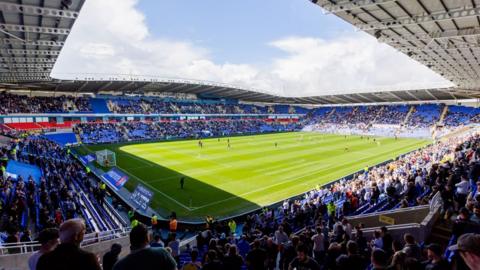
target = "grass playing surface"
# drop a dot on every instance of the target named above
(252, 173)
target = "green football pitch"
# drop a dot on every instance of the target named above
(253, 172)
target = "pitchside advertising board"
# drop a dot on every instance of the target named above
(115, 178)
(87, 159)
(141, 197)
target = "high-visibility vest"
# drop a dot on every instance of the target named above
(173, 225)
(232, 225)
(134, 223)
(154, 220)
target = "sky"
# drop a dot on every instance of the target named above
(283, 47)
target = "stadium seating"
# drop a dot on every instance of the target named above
(65, 190)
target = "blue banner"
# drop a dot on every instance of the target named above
(87, 159)
(141, 197)
(115, 178)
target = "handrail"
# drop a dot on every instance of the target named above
(88, 239)
(391, 211)
(436, 201)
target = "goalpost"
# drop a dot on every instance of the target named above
(106, 158)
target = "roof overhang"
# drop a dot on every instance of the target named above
(32, 34)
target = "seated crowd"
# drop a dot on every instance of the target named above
(42, 104)
(128, 131)
(27, 204)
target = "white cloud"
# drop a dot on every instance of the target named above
(112, 44)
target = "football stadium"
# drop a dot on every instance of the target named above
(208, 170)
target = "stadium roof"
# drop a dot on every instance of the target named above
(441, 34)
(208, 89)
(32, 33)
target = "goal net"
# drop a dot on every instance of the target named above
(106, 158)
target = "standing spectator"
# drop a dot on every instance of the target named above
(193, 264)
(303, 261)
(475, 218)
(411, 248)
(387, 240)
(212, 262)
(379, 259)
(174, 244)
(157, 241)
(144, 257)
(232, 260)
(377, 241)
(435, 258)
(272, 253)
(463, 188)
(243, 246)
(352, 260)
(280, 236)
(319, 246)
(69, 255)
(111, 257)
(48, 239)
(256, 257)
(173, 224)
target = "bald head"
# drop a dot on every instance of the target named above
(72, 231)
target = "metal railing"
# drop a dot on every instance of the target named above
(88, 239)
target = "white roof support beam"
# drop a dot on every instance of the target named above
(423, 18)
(430, 94)
(126, 86)
(34, 29)
(29, 52)
(27, 60)
(352, 5)
(37, 11)
(26, 65)
(47, 43)
(437, 35)
(398, 98)
(82, 86)
(105, 87)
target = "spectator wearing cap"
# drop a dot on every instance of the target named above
(111, 257)
(142, 256)
(468, 246)
(48, 239)
(435, 258)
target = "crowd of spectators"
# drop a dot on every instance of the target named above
(129, 131)
(278, 238)
(44, 202)
(12, 103)
(162, 106)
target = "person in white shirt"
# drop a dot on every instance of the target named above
(319, 246)
(463, 188)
